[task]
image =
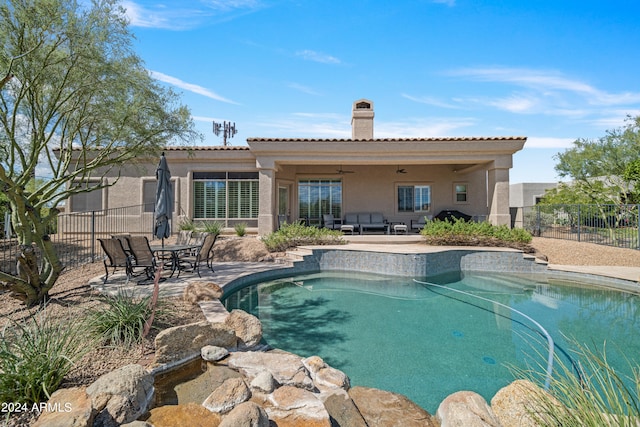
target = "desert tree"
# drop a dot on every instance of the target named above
(76, 101)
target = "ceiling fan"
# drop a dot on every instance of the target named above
(398, 170)
(343, 171)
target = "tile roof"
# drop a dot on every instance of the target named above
(455, 138)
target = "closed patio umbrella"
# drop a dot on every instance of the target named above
(164, 201)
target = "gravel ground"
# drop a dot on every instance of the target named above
(71, 297)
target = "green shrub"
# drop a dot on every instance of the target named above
(296, 234)
(122, 322)
(241, 228)
(187, 224)
(36, 354)
(589, 392)
(460, 232)
(213, 227)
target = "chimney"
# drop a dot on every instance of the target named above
(362, 119)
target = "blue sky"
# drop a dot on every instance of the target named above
(551, 70)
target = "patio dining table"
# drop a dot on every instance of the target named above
(175, 251)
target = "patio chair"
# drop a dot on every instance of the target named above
(419, 223)
(123, 240)
(204, 254)
(116, 257)
(142, 255)
(330, 222)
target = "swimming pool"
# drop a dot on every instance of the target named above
(427, 342)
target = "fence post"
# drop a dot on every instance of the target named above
(93, 236)
(579, 222)
(638, 226)
(538, 228)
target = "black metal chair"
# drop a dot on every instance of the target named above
(203, 254)
(142, 255)
(116, 257)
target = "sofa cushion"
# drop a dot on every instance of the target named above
(377, 218)
(351, 219)
(364, 218)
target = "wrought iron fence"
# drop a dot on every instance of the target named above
(75, 235)
(611, 225)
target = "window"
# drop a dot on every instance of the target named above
(224, 195)
(317, 197)
(461, 193)
(414, 198)
(89, 201)
(149, 194)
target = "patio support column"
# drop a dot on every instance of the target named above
(267, 201)
(498, 193)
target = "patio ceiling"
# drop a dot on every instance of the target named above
(464, 151)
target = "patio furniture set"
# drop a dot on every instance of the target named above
(367, 221)
(138, 257)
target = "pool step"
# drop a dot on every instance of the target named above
(298, 254)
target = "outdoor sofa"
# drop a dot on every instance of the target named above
(367, 221)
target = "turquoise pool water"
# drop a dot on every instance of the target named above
(427, 342)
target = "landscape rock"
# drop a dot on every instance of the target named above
(195, 292)
(247, 327)
(212, 353)
(137, 424)
(224, 398)
(121, 396)
(342, 409)
(190, 414)
(184, 341)
(324, 376)
(286, 368)
(466, 408)
(67, 407)
(384, 409)
(292, 406)
(514, 404)
(246, 414)
(264, 382)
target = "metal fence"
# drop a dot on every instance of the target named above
(611, 225)
(75, 235)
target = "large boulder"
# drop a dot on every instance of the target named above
(195, 292)
(246, 414)
(514, 404)
(466, 408)
(292, 406)
(121, 396)
(385, 409)
(286, 368)
(227, 396)
(180, 342)
(67, 407)
(324, 376)
(342, 409)
(247, 327)
(190, 414)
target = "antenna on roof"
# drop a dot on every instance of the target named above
(227, 129)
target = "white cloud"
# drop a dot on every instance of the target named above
(548, 142)
(449, 3)
(189, 86)
(422, 128)
(546, 81)
(185, 14)
(303, 89)
(311, 55)
(428, 100)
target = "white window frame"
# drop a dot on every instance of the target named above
(465, 193)
(419, 191)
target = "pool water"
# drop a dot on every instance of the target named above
(427, 342)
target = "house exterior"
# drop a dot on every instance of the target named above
(524, 195)
(272, 178)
